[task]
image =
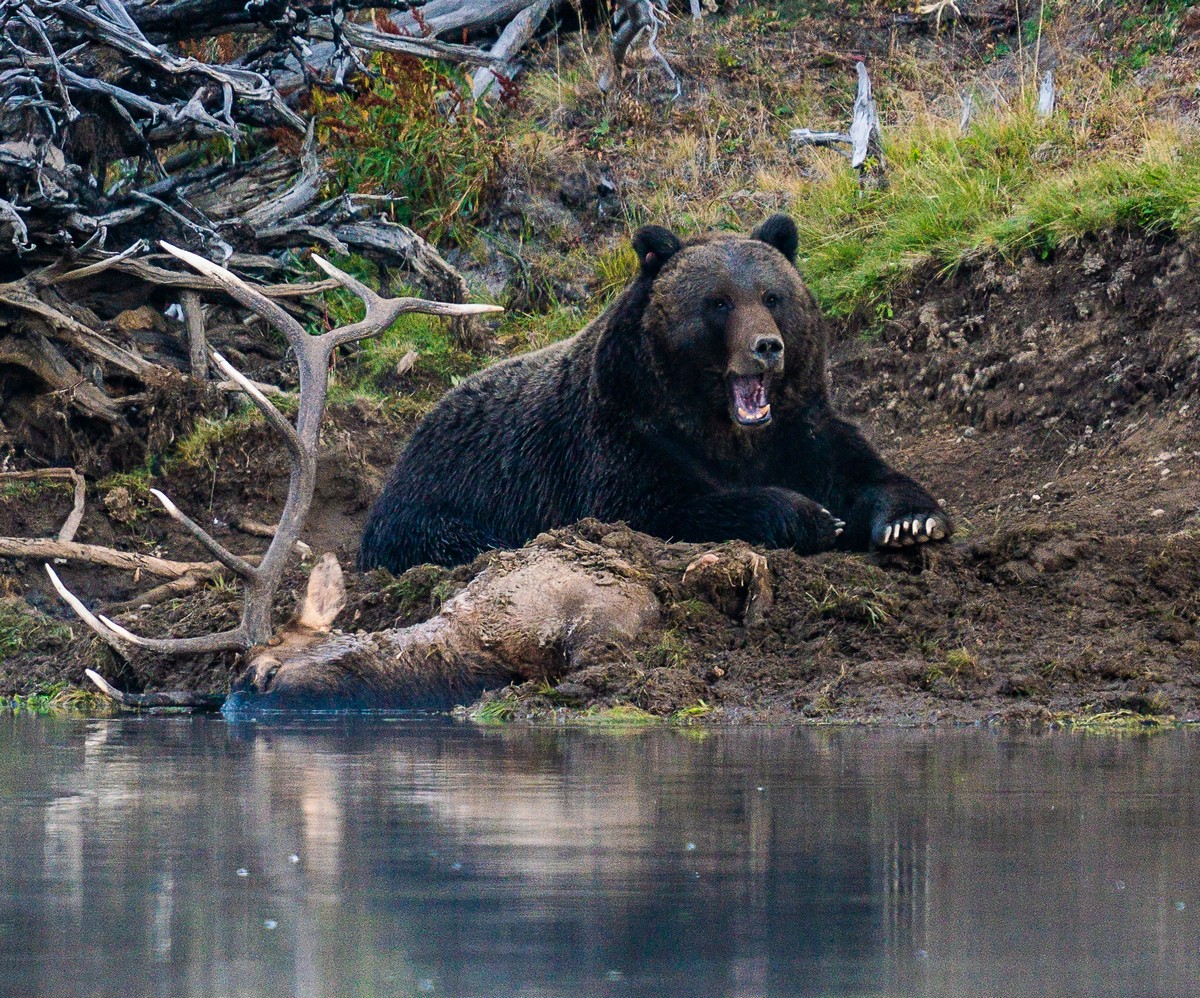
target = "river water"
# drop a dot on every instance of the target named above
(188, 856)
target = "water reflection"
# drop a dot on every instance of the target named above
(188, 857)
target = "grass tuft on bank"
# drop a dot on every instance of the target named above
(57, 698)
(1012, 184)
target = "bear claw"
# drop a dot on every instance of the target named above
(839, 525)
(910, 530)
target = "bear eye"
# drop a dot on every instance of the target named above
(720, 304)
(770, 299)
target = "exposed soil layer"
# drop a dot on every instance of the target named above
(1052, 405)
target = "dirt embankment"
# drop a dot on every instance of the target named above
(1052, 405)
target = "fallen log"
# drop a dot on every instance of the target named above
(94, 90)
(489, 81)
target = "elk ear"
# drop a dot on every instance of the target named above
(655, 246)
(779, 231)
(325, 597)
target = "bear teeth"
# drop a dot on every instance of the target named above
(759, 413)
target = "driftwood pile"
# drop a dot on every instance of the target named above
(125, 122)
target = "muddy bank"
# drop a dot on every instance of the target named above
(1051, 404)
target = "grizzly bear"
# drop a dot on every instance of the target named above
(695, 408)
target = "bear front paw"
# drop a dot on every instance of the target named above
(915, 528)
(819, 529)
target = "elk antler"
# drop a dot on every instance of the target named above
(313, 355)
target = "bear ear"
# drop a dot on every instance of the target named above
(779, 231)
(655, 246)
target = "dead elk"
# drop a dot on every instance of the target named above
(531, 614)
(566, 599)
(557, 604)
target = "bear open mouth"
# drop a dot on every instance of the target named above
(748, 399)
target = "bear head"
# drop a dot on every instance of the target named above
(734, 336)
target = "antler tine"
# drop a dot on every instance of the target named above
(231, 640)
(116, 636)
(264, 404)
(84, 614)
(256, 301)
(138, 701)
(347, 281)
(215, 548)
(382, 312)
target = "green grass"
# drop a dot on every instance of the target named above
(615, 268)
(375, 367)
(1117, 722)
(198, 448)
(395, 138)
(498, 709)
(671, 651)
(1013, 183)
(372, 367)
(531, 330)
(960, 660)
(689, 715)
(1147, 29)
(619, 715)
(23, 629)
(1157, 195)
(57, 698)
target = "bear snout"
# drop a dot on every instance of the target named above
(764, 355)
(754, 343)
(768, 351)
